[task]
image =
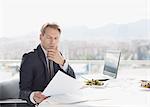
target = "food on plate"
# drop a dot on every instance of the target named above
(94, 82)
(145, 83)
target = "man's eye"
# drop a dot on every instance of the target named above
(48, 37)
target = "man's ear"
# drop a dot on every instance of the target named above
(41, 36)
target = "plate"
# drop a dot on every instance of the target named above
(96, 86)
(144, 89)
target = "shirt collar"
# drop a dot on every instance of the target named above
(45, 52)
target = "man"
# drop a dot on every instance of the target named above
(39, 67)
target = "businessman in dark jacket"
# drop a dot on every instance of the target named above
(40, 66)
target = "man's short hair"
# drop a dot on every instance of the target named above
(53, 25)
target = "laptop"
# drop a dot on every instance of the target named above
(110, 68)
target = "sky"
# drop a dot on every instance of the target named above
(19, 17)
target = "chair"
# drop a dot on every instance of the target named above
(9, 93)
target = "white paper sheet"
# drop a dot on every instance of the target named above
(62, 84)
(67, 99)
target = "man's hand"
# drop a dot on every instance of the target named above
(54, 54)
(38, 97)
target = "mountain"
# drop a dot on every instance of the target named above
(136, 30)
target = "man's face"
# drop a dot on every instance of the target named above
(50, 38)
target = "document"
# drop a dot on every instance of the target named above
(62, 84)
(67, 99)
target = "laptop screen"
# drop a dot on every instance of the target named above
(111, 63)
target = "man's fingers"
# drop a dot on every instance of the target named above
(39, 95)
(51, 51)
(51, 58)
(50, 54)
(38, 100)
(57, 48)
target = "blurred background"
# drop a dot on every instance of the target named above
(89, 28)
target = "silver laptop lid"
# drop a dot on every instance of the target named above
(111, 63)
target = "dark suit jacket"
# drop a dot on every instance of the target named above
(34, 73)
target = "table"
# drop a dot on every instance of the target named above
(125, 91)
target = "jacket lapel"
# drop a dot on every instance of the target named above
(43, 59)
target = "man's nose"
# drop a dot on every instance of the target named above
(52, 41)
